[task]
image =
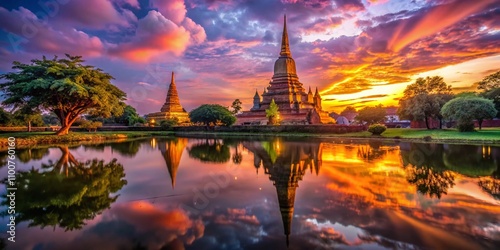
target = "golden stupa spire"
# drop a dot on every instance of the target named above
(285, 46)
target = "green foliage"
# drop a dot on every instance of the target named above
(50, 120)
(236, 105)
(169, 123)
(65, 87)
(377, 129)
(211, 115)
(5, 117)
(91, 125)
(273, 113)
(371, 115)
(66, 194)
(465, 109)
(424, 99)
(490, 87)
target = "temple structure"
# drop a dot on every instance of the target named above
(296, 106)
(286, 163)
(171, 108)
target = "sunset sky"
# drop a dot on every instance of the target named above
(357, 52)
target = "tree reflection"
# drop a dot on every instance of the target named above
(426, 169)
(430, 181)
(211, 151)
(469, 160)
(25, 155)
(68, 192)
(125, 148)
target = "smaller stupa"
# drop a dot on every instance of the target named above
(171, 109)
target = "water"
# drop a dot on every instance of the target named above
(180, 193)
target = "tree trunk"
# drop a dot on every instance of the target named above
(64, 130)
(66, 122)
(29, 126)
(427, 123)
(480, 123)
(440, 123)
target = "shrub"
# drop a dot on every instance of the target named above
(88, 125)
(377, 129)
(465, 127)
(168, 124)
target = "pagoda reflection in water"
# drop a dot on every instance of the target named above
(171, 150)
(286, 163)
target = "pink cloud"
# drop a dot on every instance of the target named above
(155, 35)
(96, 14)
(132, 3)
(437, 19)
(197, 32)
(175, 10)
(34, 35)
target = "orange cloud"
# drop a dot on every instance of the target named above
(434, 21)
(155, 36)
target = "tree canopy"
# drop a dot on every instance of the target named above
(236, 106)
(273, 113)
(211, 115)
(465, 110)
(65, 87)
(424, 99)
(348, 110)
(490, 87)
(371, 115)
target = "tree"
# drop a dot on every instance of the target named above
(65, 87)
(5, 117)
(129, 117)
(236, 105)
(372, 115)
(272, 113)
(91, 125)
(169, 123)
(211, 115)
(424, 99)
(348, 110)
(490, 86)
(465, 109)
(27, 116)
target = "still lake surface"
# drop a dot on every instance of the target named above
(259, 193)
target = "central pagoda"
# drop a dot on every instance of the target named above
(171, 109)
(295, 105)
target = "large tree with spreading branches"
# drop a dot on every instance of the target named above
(66, 87)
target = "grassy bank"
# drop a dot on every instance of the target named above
(37, 138)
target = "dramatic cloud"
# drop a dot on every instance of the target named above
(224, 50)
(155, 35)
(101, 15)
(34, 35)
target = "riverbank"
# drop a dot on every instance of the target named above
(484, 136)
(25, 139)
